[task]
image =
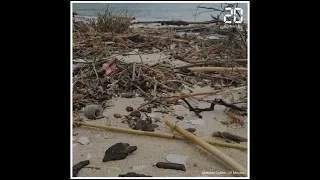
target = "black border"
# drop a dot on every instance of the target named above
(56, 72)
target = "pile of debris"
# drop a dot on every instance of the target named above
(98, 76)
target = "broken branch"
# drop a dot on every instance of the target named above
(217, 69)
(229, 136)
(157, 134)
(178, 23)
(175, 99)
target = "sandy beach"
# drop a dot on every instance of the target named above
(100, 76)
(153, 149)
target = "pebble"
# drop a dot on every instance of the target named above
(83, 140)
(180, 117)
(129, 108)
(191, 130)
(116, 115)
(135, 113)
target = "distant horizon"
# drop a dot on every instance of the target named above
(155, 11)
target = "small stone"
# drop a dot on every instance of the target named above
(191, 130)
(117, 115)
(133, 174)
(135, 113)
(118, 151)
(129, 109)
(74, 134)
(83, 140)
(105, 97)
(180, 117)
(144, 126)
(109, 43)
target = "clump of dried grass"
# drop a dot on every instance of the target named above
(117, 22)
(108, 21)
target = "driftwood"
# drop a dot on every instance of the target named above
(108, 36)
(175, 99)
(197, 111)
(194, 29)
(218, 69)
(176, 22)
(232, 106)
(229, 136)
(215, 63)
(166, 165)
(183, 59)
(156, 134)
(165, 38)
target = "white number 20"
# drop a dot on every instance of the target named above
(233, 13)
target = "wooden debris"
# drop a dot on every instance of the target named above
(176, 22)
(77, 167)
(175, 166)
(229, 136)
(157, 134)
(175, 99)
(218, 69)
(133, 174)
